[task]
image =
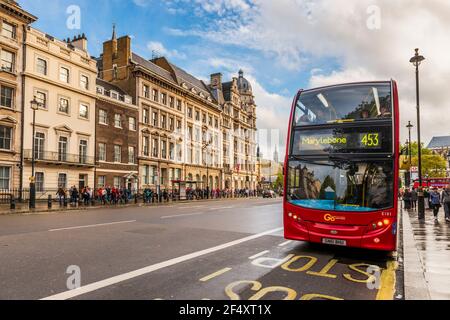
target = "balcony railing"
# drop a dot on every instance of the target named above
(57, 157)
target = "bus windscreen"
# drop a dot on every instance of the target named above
(343, 104)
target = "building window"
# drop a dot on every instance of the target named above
(117, 182)
(83, 151)
(118, 121)
(132, 155)
(171, 124)
(145, 117)
(5, 138)
(155, 147)
(132, 123)
(197, 134)
(64, 74)
(5, 176)
(146, 174)
(189, 155)
(164, 98)
(7, 97)
(41, 66)
(210, 122)
(63, 105)
(101, 181)
(179, 152)
(171, 102)
(103, 117)
(39, 182)
(62, 180)
(179, 105)
(41, 98)
(189, 113)
(8, 60)
(145, 146)
(62, 148)
(84, 82)
(155, 95)
(163, 121)
(155, 119)
(197, 115)
(84, 111)
(204, 118)
(189, 133)
(102, 152)
(8, 30)
(216, 123)
(172, 151)
(178, 125)
(117, 153)
(146, 91)
(163, 149)
(39, 146)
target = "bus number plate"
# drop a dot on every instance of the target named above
(335, 242)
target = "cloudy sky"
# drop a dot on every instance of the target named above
(282, 45)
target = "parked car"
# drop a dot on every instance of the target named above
(269, 194)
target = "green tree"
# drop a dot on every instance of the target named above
(433, 165)
(279, 183)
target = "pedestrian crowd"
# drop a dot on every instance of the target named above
(435, 199)
(113, 195)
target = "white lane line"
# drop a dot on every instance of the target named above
(133, 274)
(92, 225)
(215, 274)
(259, 255)
(183, 215)
(192, 207)
(285, 243)
(220, 208)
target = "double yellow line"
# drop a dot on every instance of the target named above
(388, 280)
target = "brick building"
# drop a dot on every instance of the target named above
(117, 134)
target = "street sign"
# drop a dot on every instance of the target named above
(414, 169)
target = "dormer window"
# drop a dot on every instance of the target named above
(100, 90)
(128, 99)
(114, 95)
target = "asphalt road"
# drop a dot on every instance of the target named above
(207, 250)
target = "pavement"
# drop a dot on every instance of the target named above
(426, 254)
(221, 250)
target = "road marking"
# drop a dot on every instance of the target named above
(285, 243)
(137, 273)
(92, 225)
(259, 255)
(183, 215)
(215, 274)
(387, 286)
(220, 208)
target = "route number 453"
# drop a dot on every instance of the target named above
(371, 140)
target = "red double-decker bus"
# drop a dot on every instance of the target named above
(341, 167)
(432, 183)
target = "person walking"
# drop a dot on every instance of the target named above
(435, 198)
(407, 199)
(446, 202)
(414, 198)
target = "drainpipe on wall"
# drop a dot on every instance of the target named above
(24, 63)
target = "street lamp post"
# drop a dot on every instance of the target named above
(32, 204)
(448, 159)
(409, 126)
(416, 61)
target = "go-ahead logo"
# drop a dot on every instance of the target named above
(330, 218)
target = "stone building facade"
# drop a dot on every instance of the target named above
(117, 138)
(13, 21)
(238, 131)
(179, 118)
(61, 76)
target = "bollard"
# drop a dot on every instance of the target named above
(12, 203)
(49, 202)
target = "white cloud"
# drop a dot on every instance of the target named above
(159, 49)
(298, 33)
